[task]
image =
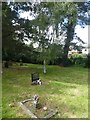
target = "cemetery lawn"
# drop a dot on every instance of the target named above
(64, 89)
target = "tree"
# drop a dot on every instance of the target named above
(13, 33)
(67, 18)
(61, 17)
(77, 16)
(42, 37)
(8, 31)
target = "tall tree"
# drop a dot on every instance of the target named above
(42, 24)
(62, 17)
(8, 32)
(67, 18)
(13, 29)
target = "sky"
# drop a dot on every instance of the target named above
(81, 32)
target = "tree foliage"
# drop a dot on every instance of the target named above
(61, 18)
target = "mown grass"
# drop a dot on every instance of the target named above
(64, 89)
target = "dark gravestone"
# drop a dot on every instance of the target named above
(35, 78)
(21, 63)
(6, 64)
(10, 63)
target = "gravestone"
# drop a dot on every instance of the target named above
(21, 63)
(35, 79)
(6, 64)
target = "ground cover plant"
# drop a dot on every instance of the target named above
(65, 89)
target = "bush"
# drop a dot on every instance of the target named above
(67, 62)
(86, 61)
(80, 59)
(77, 59)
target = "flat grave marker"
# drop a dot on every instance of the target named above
(31, 109)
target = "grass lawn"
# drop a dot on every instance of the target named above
(65, 89)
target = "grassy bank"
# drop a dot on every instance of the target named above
(65, 89)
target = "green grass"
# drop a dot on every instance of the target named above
(65, 89)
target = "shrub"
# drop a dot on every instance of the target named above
(77, 58)
(80, 59)
(86, 61)
(67, 62)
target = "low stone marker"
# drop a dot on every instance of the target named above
(34, 103)
(27, 111)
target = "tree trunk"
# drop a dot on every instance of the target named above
(70, 34)
(44, 67)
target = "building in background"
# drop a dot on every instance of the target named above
(84, 51)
